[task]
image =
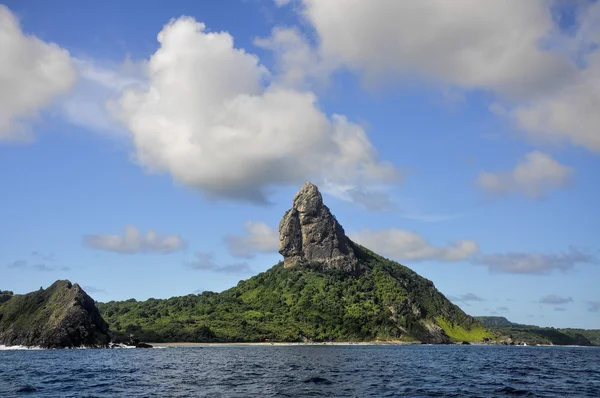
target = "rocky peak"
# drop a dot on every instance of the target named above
(309, 233)
(60, 316)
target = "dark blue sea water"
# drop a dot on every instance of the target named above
(304, 371)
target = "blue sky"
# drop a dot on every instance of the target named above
(143, 154)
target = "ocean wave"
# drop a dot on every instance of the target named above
(18, 347)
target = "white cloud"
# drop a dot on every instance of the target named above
(258, 237)
(133, 241)
(496, 47)
(534, 263)
(205, 262)
(547, 82)
(207, 119)
(297, 62)
(463, 298)
(407, 245)
(18, 264)
(570, 114)
(42, 268)
(374, 199)
(33, 73)
(553, 299)
(99, 83)
(535, 176)
(93, 290)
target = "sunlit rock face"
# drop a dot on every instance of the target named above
(309, 233)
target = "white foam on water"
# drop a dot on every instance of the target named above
(119, 345)
(18, 347)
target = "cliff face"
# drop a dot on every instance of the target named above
(61, 316)
(309, 233)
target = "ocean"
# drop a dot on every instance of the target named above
(303, 371)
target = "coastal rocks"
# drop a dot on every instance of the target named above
(61, 316)
(309, 233)
(137, 343)
(132, 343)
(434, 334)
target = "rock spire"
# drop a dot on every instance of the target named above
(309, 233)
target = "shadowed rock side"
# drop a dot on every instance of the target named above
(309, 233)
(61, 316)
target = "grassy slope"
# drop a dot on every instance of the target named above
(389, 302)
(21, 312)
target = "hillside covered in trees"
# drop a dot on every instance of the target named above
(303, 303)
(540, 335)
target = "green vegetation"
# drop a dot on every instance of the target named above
(540, 335)
(22, 311)
(5, 295)
(388, 302)
(458, 333)
(494, 321)
(592, 335)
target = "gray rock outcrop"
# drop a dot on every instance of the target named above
(309, 233)
(61, 316)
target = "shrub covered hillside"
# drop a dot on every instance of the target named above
(306, 302)
(541, 335)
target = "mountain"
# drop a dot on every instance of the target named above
(60, 316)
(531, 334)
(327, 288)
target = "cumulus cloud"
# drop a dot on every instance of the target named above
(209, 118)
(134, 241)
(534, 176)
(534, 263)
(297, 62)
(553, 299)
(547, 81)
(407, 245)
(33, 73)
(569, 113)
(594, 306)
(258, 237)
(205, 262)
(496, 47)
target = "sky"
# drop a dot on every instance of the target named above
(149, 149)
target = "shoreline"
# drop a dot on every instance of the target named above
(283, 344)
(279, 344)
